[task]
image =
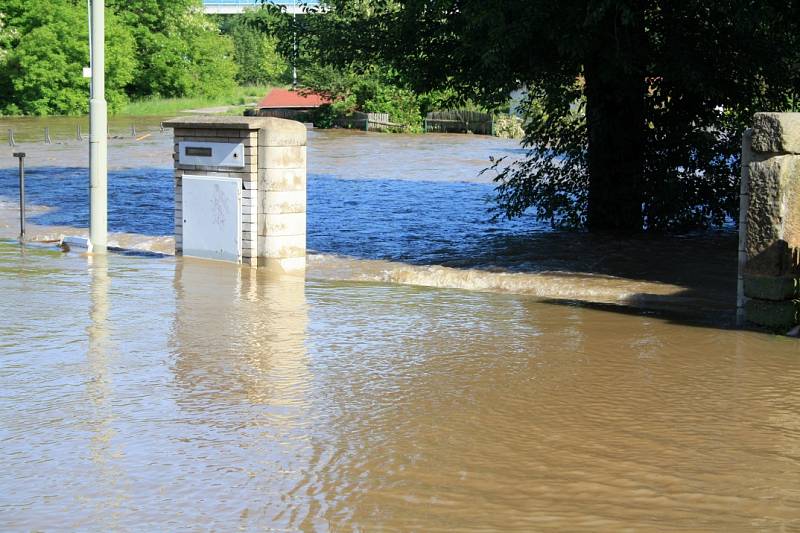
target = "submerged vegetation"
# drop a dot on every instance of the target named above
(509, 126)
(374, 89)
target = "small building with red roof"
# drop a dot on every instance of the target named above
(291, 104)
(289, 99)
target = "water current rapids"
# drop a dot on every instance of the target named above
(399, 209)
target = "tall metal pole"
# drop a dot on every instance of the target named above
(98, 142)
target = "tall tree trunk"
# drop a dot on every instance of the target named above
(615, 119)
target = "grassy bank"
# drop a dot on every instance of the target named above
(238, 99)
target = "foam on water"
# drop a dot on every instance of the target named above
(546, 285)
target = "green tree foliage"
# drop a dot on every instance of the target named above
(356, 86)
(7, 36)
(635, 109)
(181, 51)
(256, 48)
(153, 47)
(45, 52)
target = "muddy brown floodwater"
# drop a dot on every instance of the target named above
(533, 381)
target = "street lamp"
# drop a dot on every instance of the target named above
(98, 120)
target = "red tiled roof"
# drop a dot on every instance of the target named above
(283, 98)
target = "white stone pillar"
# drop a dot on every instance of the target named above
(282, 195)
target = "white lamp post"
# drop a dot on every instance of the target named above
(98, 141)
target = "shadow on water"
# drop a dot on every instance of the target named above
(703, 265)
(427, 223)
(448, 224)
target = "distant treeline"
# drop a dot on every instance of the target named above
(170, 49)
(154, 48)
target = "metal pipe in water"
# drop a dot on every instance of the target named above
(98, 141)
(21, 157)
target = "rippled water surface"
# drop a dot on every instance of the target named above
(418, 199)
(155, 394)
(594, 386)
(414, 221)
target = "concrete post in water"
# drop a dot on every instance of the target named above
(98, 143)
(771, 270)
(265, 158)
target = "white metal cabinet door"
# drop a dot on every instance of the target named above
(212, 217)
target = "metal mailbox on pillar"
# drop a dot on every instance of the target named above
(240, 190)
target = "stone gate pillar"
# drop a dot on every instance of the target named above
(240, 190)
(771, 250)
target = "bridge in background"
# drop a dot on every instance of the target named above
(230, 7)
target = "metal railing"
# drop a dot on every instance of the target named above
(259, 2)
(61, 133)
(237, 6)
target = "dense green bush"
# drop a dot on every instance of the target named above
(44, 50)
(508, 127)
(402, 105)
(181, 51)
(153, 48)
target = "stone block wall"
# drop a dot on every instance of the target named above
(770, 233)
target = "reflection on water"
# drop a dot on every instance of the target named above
(162, 394)
(242, 316)
(239, 344)
(103, 448)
